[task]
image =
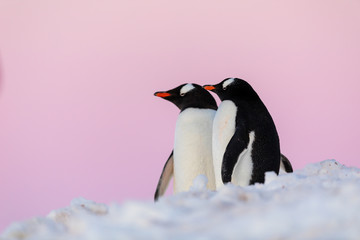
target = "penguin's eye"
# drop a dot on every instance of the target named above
(182, 94)
(224, 88)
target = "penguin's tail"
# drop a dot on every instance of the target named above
(285, 164)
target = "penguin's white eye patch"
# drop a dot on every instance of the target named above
(186, 88)
(227, 83)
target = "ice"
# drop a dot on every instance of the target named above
(199, 184)
(320, 201)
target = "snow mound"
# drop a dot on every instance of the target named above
(321, 201)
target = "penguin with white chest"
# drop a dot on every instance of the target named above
(192, 153)
(245, 139)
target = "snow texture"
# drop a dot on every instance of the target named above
(321, 201)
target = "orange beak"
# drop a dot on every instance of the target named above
(209, 87)
(162, 94)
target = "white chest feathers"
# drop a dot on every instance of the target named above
(193, 148)
(223, 130)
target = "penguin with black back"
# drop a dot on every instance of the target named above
(245, 139)
(192, 153)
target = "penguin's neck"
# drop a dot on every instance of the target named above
(224, 122)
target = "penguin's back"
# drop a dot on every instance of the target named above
(265, 149)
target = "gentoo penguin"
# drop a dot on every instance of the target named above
(245, 140)
(192, 153)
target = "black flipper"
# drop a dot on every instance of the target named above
(237, 144)
(285, 164)
(165, 177)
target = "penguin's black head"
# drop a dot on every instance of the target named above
(189, 95)
(233, 88)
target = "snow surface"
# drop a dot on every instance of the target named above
(321, 201)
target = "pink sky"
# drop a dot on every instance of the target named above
(77, 111)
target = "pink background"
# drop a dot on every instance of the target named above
(77, 111)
